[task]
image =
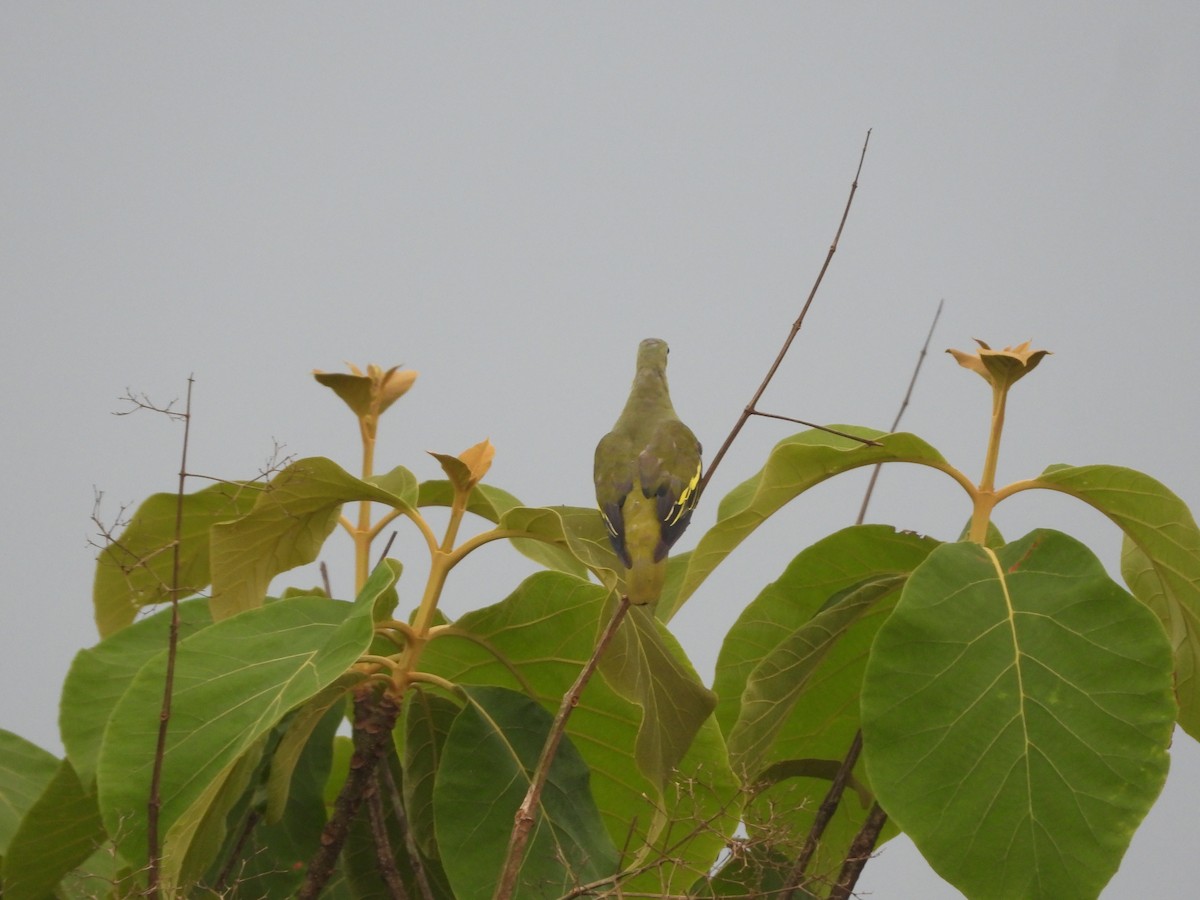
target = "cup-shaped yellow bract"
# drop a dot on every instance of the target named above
(369, 394)
(468, 468)
(1001, 368)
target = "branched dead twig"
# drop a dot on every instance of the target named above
(154, 803)
(527, 812)
(752, 407)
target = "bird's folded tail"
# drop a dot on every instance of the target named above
(644, 581)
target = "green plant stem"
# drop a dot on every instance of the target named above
(527, 812)
(985, 496)
(457, 509)
(362, 533)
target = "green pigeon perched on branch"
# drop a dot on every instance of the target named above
(647, 476)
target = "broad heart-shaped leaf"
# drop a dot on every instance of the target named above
(58, 832)
(795, 464)
(536, 641)
(135, 570)
(25, 771)
(488, 760)
(99, 676)
(1163, 529)
(1017, 711)
(790, 776)
(286, 528)
(428, 718)
(234, 681)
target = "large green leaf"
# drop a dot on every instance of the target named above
(25, 771)
(489, 756)
(1017, 710)
(137, 568)
(58, 832)
(286, 528)
(234, 681)
(99, 676)
(536, 641)
(646, 666)
(796, 464)
(789, 774)
(784, 675)
(428, 718)
(1163, 529)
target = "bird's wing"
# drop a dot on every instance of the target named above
(614, 474)
(669, 470)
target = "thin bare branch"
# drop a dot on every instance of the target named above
(154, 803)
(527, 812)
(862, 512)
(751, 407)
(854, 437)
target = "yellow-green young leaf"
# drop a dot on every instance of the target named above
(25, 771)
(1016, 715)
(1163, 529)
(485, 501)
(136, 569)
(796, 464)
(491, 503)
(99, 676)
(286, 528)
(535, 641)
(563, 539)
(58, 832)
(399, 482)
(234, 681)
(490, 753)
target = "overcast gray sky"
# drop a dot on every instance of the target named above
(508, 197)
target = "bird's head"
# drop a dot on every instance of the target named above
(652, 354)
